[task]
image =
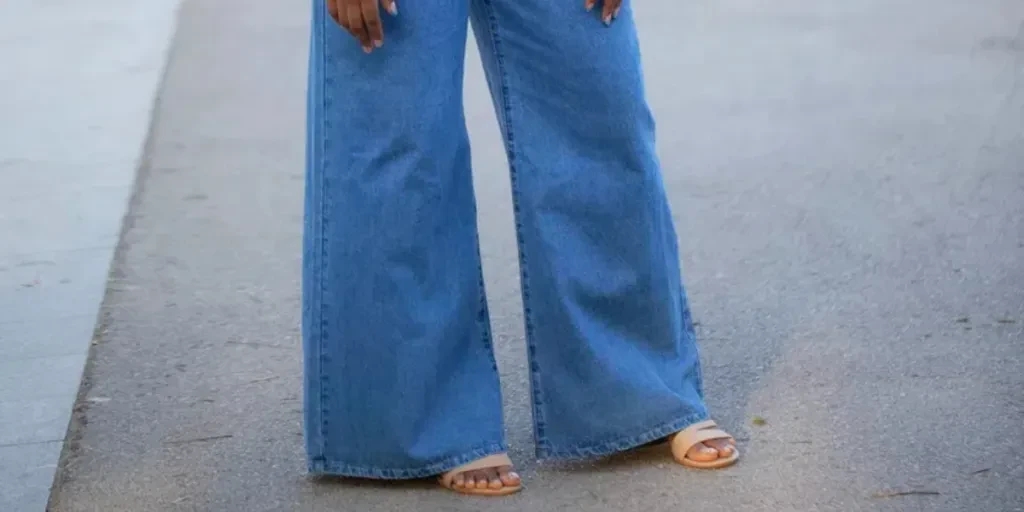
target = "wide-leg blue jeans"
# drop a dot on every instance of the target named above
(400, 377)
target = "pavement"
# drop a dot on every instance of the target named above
(76, 96)
(848, 182)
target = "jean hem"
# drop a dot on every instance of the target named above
(623, 443)
(320, 467)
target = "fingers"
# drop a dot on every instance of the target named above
(354, 14)
(361, 18)
(610, 11)
(332, 10)
(371, 20)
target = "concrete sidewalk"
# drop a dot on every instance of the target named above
(77, 83)
(847, 177)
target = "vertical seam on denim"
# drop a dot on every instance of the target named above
(484, 324)
(483, 315)
(691, 331)
(324, 162)
(538, 417)
(688, 332)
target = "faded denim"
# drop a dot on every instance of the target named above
(400, 376)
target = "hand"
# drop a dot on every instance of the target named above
(361, 18)
(609, 11)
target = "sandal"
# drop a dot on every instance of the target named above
(447, 480)
(698, 433)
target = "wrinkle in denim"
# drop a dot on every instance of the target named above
(400, 376)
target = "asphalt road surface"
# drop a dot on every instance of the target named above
(848, 182)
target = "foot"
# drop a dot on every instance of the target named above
(495, 479)
(489, 476)
(704, 446)
(712, 450)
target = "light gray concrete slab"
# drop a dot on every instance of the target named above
(35, 420)
(79, 80)
(28, 339)
(40, 377)
(27, 473)
(847, 181)
(52, 285)
(65, 219)
(76, 93)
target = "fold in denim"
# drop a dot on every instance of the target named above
(400, 375)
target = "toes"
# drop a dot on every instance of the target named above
(495, 483)
(701, 452)
(493, 479)
(472, 478)
(508, 477)
(724, 448)
(483, 479)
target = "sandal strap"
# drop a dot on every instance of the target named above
(491, 461)
(697, 433)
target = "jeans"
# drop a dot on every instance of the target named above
(400, 375)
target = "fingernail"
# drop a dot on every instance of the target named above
(590, 7)
(616, 13)
(378, 43)
(608, 19)
(367, 49)
(393, 9)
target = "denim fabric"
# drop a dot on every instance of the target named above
(400, 376)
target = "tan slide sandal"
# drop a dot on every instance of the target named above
(447, 480)
(698, 433)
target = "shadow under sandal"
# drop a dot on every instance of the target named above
(698, 433)
(447, 480)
